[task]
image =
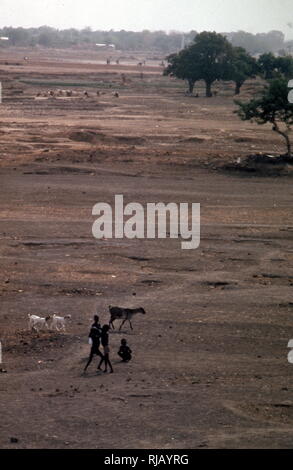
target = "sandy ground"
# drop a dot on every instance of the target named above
(210, 365)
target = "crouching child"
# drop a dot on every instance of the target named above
(125, 351)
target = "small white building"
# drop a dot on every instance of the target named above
(106, 46)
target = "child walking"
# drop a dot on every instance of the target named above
(94, 336)
(105, 344)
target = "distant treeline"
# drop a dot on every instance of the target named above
(157, 41)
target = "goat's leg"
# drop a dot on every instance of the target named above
(47, 326)
(130, 324)
(122, 324)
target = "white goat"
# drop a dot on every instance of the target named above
(58, 323)
(37, 323)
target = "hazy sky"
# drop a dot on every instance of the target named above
(182, 15)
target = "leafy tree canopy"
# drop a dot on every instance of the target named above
(211, 57)
(240, 66)
(273, 67)
(184, 65)
(272, 106)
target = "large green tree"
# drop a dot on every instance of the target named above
(239, 67)
(211, 51)
(267, 65)
(284, 66)
(183, 65)
(204, 59)
(273, 67)
(211, 57)
(272, 106)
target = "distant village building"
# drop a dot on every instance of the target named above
(106, 46)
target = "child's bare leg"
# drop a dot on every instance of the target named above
(89, 361)
(111, 368)
(101, 361)
(107, 361)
